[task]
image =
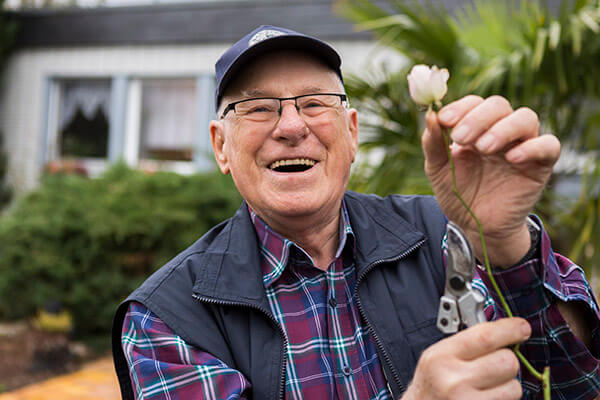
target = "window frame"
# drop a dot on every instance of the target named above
(125, 123)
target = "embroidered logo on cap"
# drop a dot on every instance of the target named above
(263, 35)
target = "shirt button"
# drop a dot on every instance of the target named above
(347, 371)
(332, 302)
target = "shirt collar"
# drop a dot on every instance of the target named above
(275, 249)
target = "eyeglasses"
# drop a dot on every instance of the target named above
(268, 109)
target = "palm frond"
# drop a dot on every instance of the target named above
(425, 34)
(537, 58)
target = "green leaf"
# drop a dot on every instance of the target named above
(555, 29)
(540, 45)
(590, 21)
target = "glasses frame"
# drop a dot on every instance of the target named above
(231, 106)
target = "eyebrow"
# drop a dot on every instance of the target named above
(263, 93)
(255, 93)
(312, 89)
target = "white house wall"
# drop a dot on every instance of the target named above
(23, 100)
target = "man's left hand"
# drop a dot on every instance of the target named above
(502, 165)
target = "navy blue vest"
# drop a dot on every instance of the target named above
(212, 294)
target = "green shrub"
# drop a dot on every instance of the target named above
(88, 242)
(5, 191)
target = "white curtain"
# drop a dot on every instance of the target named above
(87, 95)
(168, 114)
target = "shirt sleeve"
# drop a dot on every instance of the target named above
(163, 366)
(531, 291)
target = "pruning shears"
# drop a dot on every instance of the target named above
(461, 304)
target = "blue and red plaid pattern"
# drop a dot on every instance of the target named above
(163, 366)
(330, 352)
(532, 290)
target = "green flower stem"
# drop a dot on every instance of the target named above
(481, 237)
(546, 383)
(545, 376)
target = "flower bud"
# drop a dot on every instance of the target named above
(427, 85)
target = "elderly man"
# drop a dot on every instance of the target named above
(314, 292)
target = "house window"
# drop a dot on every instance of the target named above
(152, 123)
(168, 119)
(83, 122)
(77, 124)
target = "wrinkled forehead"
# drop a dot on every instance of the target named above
(283, 73)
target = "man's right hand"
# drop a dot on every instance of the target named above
(472, 364)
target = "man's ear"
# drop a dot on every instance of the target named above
(352, 115)
(217, 139)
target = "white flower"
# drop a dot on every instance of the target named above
(427, 85)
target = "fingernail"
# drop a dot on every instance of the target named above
(461, 133)
(446, 116)
(485, 143)
(526, 329)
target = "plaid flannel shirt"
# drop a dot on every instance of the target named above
(330, 352)
(531, 291)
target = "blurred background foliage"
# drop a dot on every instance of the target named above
(77, 246)
(87, 243)
(537, 55)
(8, 30)
(5, 190)
(7, 35)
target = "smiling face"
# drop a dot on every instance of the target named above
(291, 170)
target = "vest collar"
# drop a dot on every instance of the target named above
(229, 269)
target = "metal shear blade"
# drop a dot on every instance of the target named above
(461, 304)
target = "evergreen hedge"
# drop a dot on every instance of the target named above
(5, 190)
(87, 243)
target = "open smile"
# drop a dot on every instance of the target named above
(292, 165)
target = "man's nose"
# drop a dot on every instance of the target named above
(290, 126)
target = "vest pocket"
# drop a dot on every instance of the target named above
(423, 335)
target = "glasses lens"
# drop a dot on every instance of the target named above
(318, 104)
(258, 109)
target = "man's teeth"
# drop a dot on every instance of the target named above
(295, 161)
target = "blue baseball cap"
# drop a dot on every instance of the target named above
(264, 39)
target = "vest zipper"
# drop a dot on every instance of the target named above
(268, 314)
(360, 309)
(378, 343)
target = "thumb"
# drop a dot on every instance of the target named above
(434, 147)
